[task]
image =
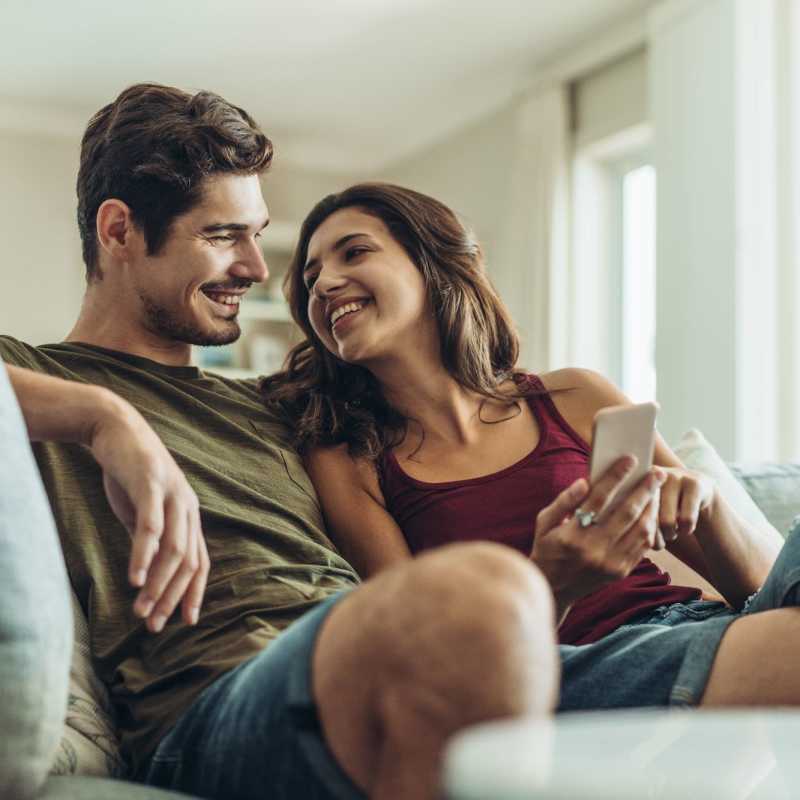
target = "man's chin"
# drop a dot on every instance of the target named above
(194, 330)
(219, 337)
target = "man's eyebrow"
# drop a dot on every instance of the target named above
(216, 227)
(340, 243)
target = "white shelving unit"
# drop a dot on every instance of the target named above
(268, 331)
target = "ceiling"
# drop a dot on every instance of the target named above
(336, 84)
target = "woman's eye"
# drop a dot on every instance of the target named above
(353, 252)
(310, 281)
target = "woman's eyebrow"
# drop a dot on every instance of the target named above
(340, 243)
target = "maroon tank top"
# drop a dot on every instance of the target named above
(502, 507)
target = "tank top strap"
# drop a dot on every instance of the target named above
(548, 416)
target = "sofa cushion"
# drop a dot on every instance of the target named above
(697, 453)
(775, 489)
(82, 788)
(35, 621)
(89, 744)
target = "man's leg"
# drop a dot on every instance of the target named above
(457, 636)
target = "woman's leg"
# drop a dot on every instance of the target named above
(757, 660)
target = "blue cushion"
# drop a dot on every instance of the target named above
(35, 616)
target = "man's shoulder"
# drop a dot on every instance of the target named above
(21, 354)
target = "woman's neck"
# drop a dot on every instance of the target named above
(431, 398)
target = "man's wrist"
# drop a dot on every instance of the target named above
(105, 410)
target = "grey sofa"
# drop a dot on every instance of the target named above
(36, 621)
(35, 633)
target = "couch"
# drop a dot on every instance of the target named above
(36, 644)
(56, 720)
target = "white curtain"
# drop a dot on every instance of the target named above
(535, 275)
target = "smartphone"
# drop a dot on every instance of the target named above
(619, 431)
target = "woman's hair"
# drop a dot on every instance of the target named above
(153, 148)
(326, 401)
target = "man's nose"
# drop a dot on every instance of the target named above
(251, 264)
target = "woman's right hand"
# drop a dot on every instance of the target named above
(579, 560)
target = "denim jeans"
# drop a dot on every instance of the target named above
(254, 733)
(665, 658)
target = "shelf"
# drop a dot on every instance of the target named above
(272, 310)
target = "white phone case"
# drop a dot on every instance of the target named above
(619, 431)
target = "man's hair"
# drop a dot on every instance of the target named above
(153, 148)
(325, 400)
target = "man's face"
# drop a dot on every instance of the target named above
(190, 291)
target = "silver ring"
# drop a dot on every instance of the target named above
(585, 518)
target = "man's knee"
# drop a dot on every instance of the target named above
(482, 630)
(457, 636)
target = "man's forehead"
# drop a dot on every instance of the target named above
(231, 198)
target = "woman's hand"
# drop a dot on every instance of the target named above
(579, 560)
(684, 495)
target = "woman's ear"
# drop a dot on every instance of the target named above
(117, 235)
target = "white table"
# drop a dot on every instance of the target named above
(630, 755)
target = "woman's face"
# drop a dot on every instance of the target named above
(367, 299)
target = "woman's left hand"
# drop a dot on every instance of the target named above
(684, 496)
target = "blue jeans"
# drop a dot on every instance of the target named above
(254, 733)
(665, 657)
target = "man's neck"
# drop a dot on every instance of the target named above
(99, 330)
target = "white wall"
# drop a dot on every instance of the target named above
(41, 270)
(713, 101)
(471, 172)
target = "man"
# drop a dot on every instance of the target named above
(279, 678)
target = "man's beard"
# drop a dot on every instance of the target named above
(161, 321)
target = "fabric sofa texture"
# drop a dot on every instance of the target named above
(38, 613)
(35, 619)
(36, 637)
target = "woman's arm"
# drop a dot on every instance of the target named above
(355, 510)
(724, 550)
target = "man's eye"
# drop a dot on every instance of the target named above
(220, 238)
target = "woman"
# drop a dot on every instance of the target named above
(418, 429)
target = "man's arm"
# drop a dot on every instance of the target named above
(145, 487)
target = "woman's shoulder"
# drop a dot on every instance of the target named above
(577, 378)
(578, 394)
(334, 463)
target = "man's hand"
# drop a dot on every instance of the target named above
(144, 485)
(576, 560)
(152, 498)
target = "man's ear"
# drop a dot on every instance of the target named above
(117, 235)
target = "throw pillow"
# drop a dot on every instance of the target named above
(697, 453)
(89, 744)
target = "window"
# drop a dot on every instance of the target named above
(638, 280)
(614, 278)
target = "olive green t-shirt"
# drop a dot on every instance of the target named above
(270, 558)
